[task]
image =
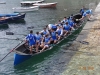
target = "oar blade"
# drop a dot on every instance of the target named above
(30, 27)
(9, 33)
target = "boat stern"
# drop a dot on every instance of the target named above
(19, 58)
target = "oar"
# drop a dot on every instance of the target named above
(30, 27)
(11, 39)
(82, 42)
(76, 34)
(92, 28)
(11, 51)
(35, 28)
(11, 33)
(74, 39)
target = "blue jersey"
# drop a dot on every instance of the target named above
(54, 27)
(38, 37)
(59, 31)
(31, 39)
(53, 35)
(71, 17)
(84, 14)
(71, 23)
(82, 11)
(88, 12)
(65, 20)
(45, 32)
(47, 39)
(67, 27)
(68, 21)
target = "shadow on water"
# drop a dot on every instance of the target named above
(22, 21)
(4, 26)
(33, 62)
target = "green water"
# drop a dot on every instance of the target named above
(55, 62)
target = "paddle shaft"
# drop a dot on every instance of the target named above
(10, 51)
(11, 33)
(11, 39)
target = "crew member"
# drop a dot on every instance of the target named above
(31, 39)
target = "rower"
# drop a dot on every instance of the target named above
(82, 10)
(50, 26)
(87, 14)
(59, 23)
(71, 17)
(38, 38)
(54, 27)
(44, 31)
(44, 45)
(53, 36)
(72, 24)
(64, 20)
(59, 32)
(32, 41)
(66, 28)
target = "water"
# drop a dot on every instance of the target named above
(56, 62)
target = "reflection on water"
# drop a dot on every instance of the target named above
(22, 21)
(4, 26)
(54, 64)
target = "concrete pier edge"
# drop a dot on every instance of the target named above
(86, 61)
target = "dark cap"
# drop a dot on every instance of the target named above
(31, 31)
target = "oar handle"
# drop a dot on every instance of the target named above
(17, 46)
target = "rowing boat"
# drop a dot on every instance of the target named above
(13, 16)
(22, 52)
(3, 23)
(46, 5)
(30, 3)
(3, 20)
(25, 9)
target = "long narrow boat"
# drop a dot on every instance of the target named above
(13, 16)
(22, 52)
(3, 21)
(30, 3)
(25, 9)
(46, 5)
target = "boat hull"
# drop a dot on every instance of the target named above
(26, 9)
(46, 5)
(4, 21)
(45, 53)
(12, 17)
(20, 58)
(30, 3)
